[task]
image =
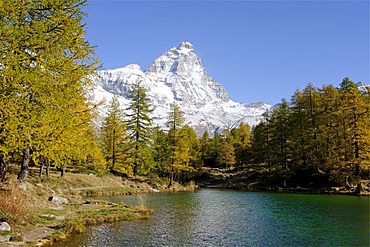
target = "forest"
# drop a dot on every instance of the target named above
(320, 138)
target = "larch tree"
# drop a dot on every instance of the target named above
(281, 146)
(354, 109)
(189, 147)
(115, 141)
(216, 150)
(226, 157)
(175, 121)
(322, 138)
(261, 143)
(161, 152)
(44, 67)
(312, 109)
(139, 126)
(300, 133)
(242, 144)
(330, 143)
(206, 149)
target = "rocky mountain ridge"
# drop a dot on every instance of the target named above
(178, 75)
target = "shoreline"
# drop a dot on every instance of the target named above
(53, 221)
(249, 180)
(319, 191)
(57, 207)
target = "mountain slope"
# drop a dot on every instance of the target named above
(178, 75)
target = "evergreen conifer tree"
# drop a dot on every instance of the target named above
(139, 126)
(242, 144)
(115, 141)
(175, 122)
(226, 154)
(206, 149)
(161, 152)
(281, 148)
(354, 109)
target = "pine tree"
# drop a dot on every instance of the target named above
(139, 126)
(115, 141)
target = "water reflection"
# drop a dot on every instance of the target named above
(231, 218)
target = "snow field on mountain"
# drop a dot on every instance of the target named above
(178, 75)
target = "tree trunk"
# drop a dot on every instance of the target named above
(358, 178)
(113, 150)
(136, 158)
(3, 168)
(41, 169)
(47, 168)
(358, 188)
(357, 168)
(63, 171)
(135, 168)
(42, 163)
(171, 179)
(24, 166)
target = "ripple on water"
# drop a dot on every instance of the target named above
(231, 218)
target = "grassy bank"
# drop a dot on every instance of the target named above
(35, 220)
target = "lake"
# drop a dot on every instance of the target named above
(212, 217)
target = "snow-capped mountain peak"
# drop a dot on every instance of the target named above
(178, 75)
(186, 45)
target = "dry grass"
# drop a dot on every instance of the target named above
(23, 208)
(111, 212)
(13, 206)
(74, 185)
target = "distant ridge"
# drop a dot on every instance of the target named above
(178, 75)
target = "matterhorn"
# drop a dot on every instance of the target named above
(179, 76)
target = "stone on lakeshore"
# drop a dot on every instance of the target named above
(56, 208)
(4, 226)
(23, 186)
(60, 217)
(48, 216)
(5, 238)
(16, 238)
(58, 200)
(51, 191)
(39, 185)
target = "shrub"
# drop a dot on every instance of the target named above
(74, 225)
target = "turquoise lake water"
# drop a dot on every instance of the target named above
(211, 217)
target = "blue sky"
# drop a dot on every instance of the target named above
(258, 50)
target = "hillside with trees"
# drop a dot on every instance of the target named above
(321, 138)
